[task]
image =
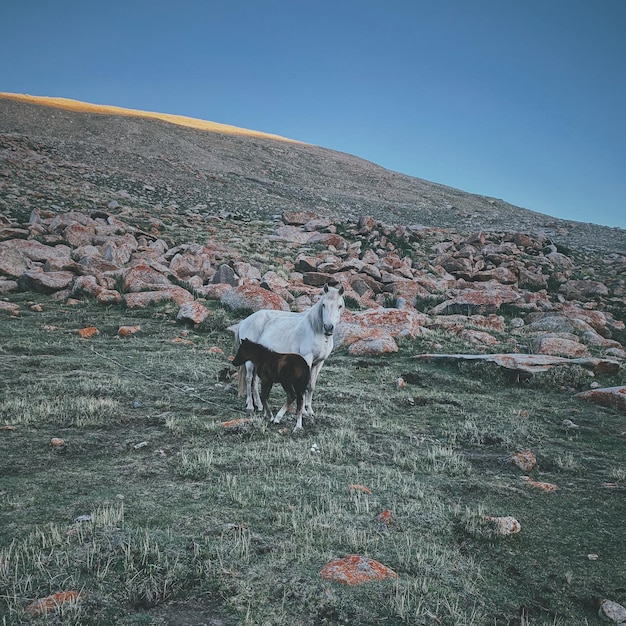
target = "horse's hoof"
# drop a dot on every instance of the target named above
(276, 420)
(298, 429)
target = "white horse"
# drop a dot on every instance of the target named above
(309, 334)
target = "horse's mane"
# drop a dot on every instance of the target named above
(315, 317)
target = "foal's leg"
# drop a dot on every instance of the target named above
(266, 387)
(281, 412)
(291, 396)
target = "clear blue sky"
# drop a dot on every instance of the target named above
(520, 100)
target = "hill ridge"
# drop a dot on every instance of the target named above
(107, 109)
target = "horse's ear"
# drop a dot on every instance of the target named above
(326, 288)
(341, 290)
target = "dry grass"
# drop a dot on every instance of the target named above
(180, 120)
(237, 523)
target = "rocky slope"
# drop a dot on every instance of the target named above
(137, 211)
(252, 177)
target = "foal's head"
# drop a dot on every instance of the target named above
(332, 305)
(249, 351)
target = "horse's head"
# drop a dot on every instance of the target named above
(332, 305)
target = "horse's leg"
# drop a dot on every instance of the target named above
(255, 398)
(250, 387)
(308, 395)
(299, 407)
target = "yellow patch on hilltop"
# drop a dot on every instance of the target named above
(181, 120)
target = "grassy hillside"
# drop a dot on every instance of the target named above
(189, 520)
(154, 512)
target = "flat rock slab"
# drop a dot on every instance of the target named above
(528, 363)
(614, 397)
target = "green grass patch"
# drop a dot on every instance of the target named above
(186, 519)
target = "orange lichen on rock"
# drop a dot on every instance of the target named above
(52, 602)
(548, 487)
(236, 422)
(88, 332)
(127, 331)
(356, 570)
(180, 340)
(359, 488)
(524, 460)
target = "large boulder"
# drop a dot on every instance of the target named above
(46, 282)
(254, 298)
(583, 290)
(12, 263)
(143, 277)
(143, 299)
(194, 312)
(484, 300)
(614, 397)
(560, 346)
(373, 323)
(36, 251)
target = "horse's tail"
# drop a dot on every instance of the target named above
(241, 370)
(241, 380)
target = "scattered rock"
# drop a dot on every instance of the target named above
(52, 602)
(12, 263)
(236, 423)
(46, 282)
(583, 289)
(88, 332)
(612, 612)
(193, 312)
(378, 343)
(355, 570)
(127, 331)
(384, 519)
(143, 299)
(526, 461)
(614, 397)
(142, 277)
(298, 218)
(11, 307)
(253, 298)
(225, 275)
(541, 486)
(549, 344)
(506, 525)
